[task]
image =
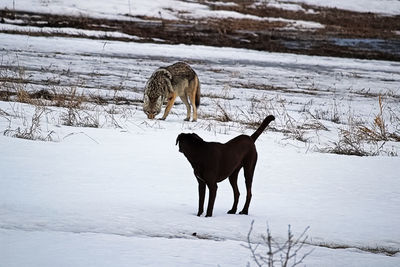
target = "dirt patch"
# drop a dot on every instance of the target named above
(344, 33)
(336, 21)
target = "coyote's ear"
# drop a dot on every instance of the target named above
(166, 73)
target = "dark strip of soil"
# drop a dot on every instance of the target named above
(346, 34)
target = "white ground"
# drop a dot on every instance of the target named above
(171, 9)
(112, 197)
(125, 196)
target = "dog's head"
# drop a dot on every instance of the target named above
(187, 140)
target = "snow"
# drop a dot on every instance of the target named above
(173, 9)
(105, 250)
(124, 196)
(386, 7)
(342, 83)
(166, 9)
(69, 31)
(101, 9)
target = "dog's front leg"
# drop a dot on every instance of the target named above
(213, 193)
(202, 194)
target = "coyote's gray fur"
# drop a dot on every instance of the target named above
(167, 83)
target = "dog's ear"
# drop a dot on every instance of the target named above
(178, 139)
(196, 137)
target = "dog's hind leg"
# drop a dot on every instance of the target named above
(248, 175)
(202, 194)
(233, 180)
(213, 193)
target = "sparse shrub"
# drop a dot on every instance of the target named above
(23, 96)
(351, 140)
(378, 131)
(349, 143)
(80, 118)
(359, 139)
(67, 97)
(335, 112)
(285, 123)
(274, 253)
(32, 129)
(12, 83)
(224, 117)
(259, 109)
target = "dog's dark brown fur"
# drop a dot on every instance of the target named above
(213, 162)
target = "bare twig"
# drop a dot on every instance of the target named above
(288, 252)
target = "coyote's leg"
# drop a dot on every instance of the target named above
(192, 97)
(171, 100)
(186, 102)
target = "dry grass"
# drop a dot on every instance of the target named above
(378, 131)
(361, 139)
(31, 130)
(356, 137)
(71, 107)
(80, 109)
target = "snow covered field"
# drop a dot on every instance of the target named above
(121, 194)
(171, 9)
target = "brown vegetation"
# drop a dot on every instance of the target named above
(344, 33)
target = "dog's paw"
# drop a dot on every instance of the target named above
(244, 212)
(199, 213)
(231, 211)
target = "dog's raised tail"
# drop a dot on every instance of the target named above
(262, 127)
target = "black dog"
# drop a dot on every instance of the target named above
(213, 162)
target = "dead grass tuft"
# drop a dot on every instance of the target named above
(357, 136)
(31, 130)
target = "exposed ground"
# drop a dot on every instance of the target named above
(330, 31)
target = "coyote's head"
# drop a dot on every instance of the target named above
(157, 89)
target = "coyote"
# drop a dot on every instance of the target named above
(167, 83)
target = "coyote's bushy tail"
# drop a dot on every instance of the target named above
(197, 92)
(262, 127)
